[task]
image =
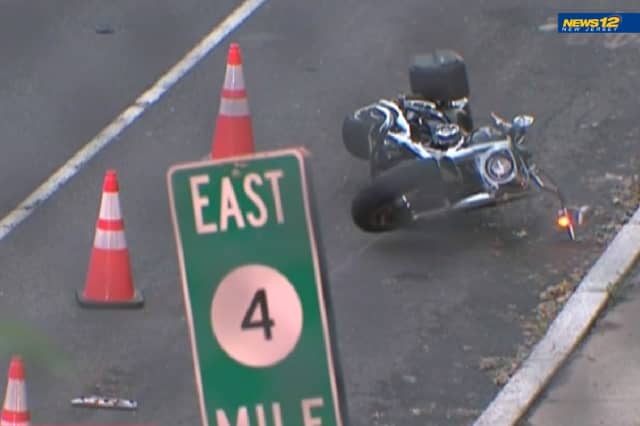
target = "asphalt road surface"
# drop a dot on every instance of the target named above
(417, 311)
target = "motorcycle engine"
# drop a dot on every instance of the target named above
(447, 135)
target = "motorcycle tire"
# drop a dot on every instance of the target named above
(378, 207)
(439, 76)
(356, 131)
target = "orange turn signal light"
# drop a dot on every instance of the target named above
(564, 221)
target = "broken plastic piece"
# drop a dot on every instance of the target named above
(94, 401)
(582, 213)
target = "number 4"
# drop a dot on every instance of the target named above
(259, 301)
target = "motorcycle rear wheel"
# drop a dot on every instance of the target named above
(379, 207)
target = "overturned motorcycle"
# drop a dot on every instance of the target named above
(426, 158)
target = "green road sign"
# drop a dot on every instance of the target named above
(256, 302)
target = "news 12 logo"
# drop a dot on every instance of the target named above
(598, 22)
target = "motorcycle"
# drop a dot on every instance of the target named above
(414, 181)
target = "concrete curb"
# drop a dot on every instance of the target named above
(567, 330)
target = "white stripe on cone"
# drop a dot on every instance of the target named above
(110, 240)
(110, 206)
(234, 107)
(16, 400)
(234, 78)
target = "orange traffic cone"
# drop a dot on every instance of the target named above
(233, 135)
(109, 282)
(15, 411)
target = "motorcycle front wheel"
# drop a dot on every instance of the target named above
(384, 205)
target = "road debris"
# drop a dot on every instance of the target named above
(94, 401)
(105, 29)
(489, 363)
(559, 292)
(521, 233)
(550, 25)
(409, 379)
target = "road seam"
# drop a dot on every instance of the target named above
(68, 170)
(567, 330)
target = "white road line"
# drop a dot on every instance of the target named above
(128, 116)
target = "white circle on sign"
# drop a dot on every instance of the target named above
(256, 316)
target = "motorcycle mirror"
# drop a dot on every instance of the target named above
(522, 121)
(519, 126)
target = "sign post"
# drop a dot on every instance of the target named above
(254, 292)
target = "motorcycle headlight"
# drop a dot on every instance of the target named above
(499, 166)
